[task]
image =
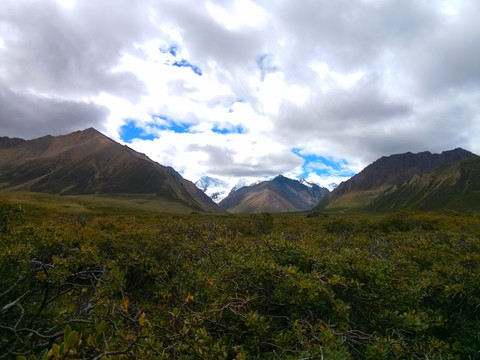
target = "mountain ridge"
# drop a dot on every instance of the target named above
(454, 185)
(386, 172)
(88, 162)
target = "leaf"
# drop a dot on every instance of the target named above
(126, 302)
(55, 349)
(43, 354)
(66, 332)
(101, 327)
(72, 339)
(61, 350)
(99, 338)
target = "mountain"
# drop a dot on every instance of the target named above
(89, 163)
(215, 188)
(218, 189)
(386, 172)
(451, 186)
(278, 195)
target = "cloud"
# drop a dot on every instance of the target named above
(448, 60)
(228, 162)
(27, 116)
(231, 155)
(207, 39)
(340, 119)
(60, 52)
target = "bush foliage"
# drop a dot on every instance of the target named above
(405, 286)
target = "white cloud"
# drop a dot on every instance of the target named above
(243, 13)
(226, 156)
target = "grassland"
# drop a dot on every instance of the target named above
(37, 205)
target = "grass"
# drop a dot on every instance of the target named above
(39, 204)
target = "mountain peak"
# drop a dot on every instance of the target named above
(281, 179)
(91, 130)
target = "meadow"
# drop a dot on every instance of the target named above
(84, 282)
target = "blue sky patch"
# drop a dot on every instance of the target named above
(169, 124)
(178, 128)
(130, 131)
(172, 50)
(185, 63)
(321, 165)
(231, 130)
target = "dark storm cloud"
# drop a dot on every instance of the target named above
(30, 116)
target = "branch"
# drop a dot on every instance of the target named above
(15, 302)
(43, 336)
(120, 352)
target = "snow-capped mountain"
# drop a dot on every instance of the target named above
(280, 194)
(206, 182)
(302, 181)
(217, 189)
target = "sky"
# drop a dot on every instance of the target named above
(246, 89)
